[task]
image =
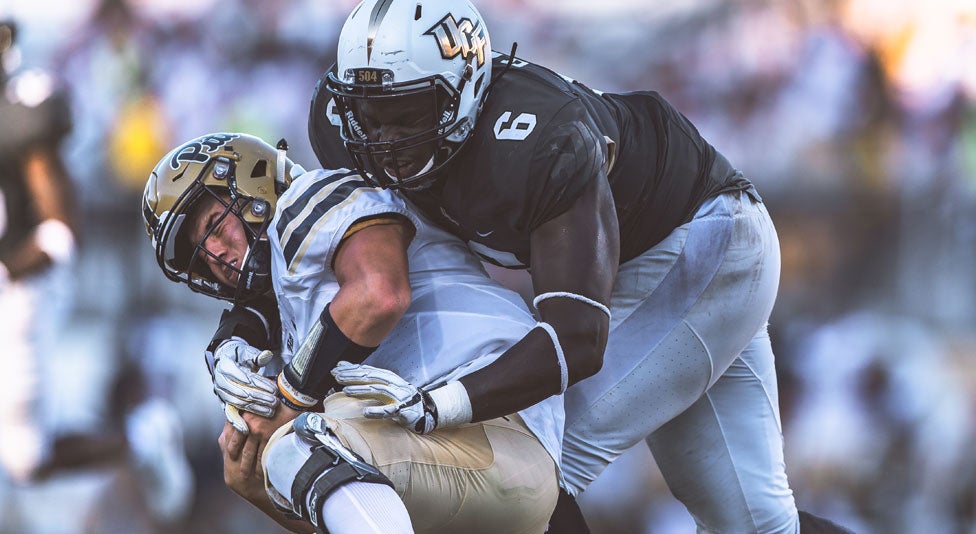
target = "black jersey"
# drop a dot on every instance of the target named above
(25, 126)
(539, 141)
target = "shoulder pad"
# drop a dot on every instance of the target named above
(314, 213)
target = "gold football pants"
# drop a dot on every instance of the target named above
(489, 477)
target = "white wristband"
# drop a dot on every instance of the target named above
(292, 395)
(560, 357)
(545, 296)
(453, 404)
(55, 239)
(4, 275)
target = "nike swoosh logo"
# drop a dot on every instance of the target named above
(486, 234)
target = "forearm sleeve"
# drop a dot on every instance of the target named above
(307, 379)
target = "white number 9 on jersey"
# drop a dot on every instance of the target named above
(507, 129)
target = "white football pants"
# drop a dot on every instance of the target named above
(689, 368)
(32, 313)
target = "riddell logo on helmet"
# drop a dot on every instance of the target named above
(464, 38)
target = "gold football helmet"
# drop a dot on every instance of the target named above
(243, 173)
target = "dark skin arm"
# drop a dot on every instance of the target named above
(576, 252)
(51, 193)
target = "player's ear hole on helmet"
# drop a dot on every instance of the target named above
(260, 168)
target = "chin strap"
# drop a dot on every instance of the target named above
(282, 180)
(508, 65)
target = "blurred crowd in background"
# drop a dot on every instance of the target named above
(855, 118)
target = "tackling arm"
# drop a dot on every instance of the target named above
(576, 253)
(575, 257)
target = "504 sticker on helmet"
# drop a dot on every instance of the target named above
(460, 37)
(199, 150)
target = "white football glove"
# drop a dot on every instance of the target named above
(4, 272)
(238, 384)
(408, 405)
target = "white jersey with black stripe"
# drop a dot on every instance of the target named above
(459, 320)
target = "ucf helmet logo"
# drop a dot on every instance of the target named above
(460, 37)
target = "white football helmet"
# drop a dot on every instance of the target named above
(240, 171)
(395, 49)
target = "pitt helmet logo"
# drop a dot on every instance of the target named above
(194, 150)
(460, 37)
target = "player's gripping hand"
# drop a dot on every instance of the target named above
(238, 384)
(408, 405)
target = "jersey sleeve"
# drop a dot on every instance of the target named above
(316, 213)
(565, 161)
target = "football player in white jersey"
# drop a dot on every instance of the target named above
(358, 276)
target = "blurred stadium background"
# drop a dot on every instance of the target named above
(856, 119)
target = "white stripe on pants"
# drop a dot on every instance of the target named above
(689, 367)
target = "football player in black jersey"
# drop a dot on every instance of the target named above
(654, 262)
(36, 243)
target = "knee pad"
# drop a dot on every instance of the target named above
(304, 462)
